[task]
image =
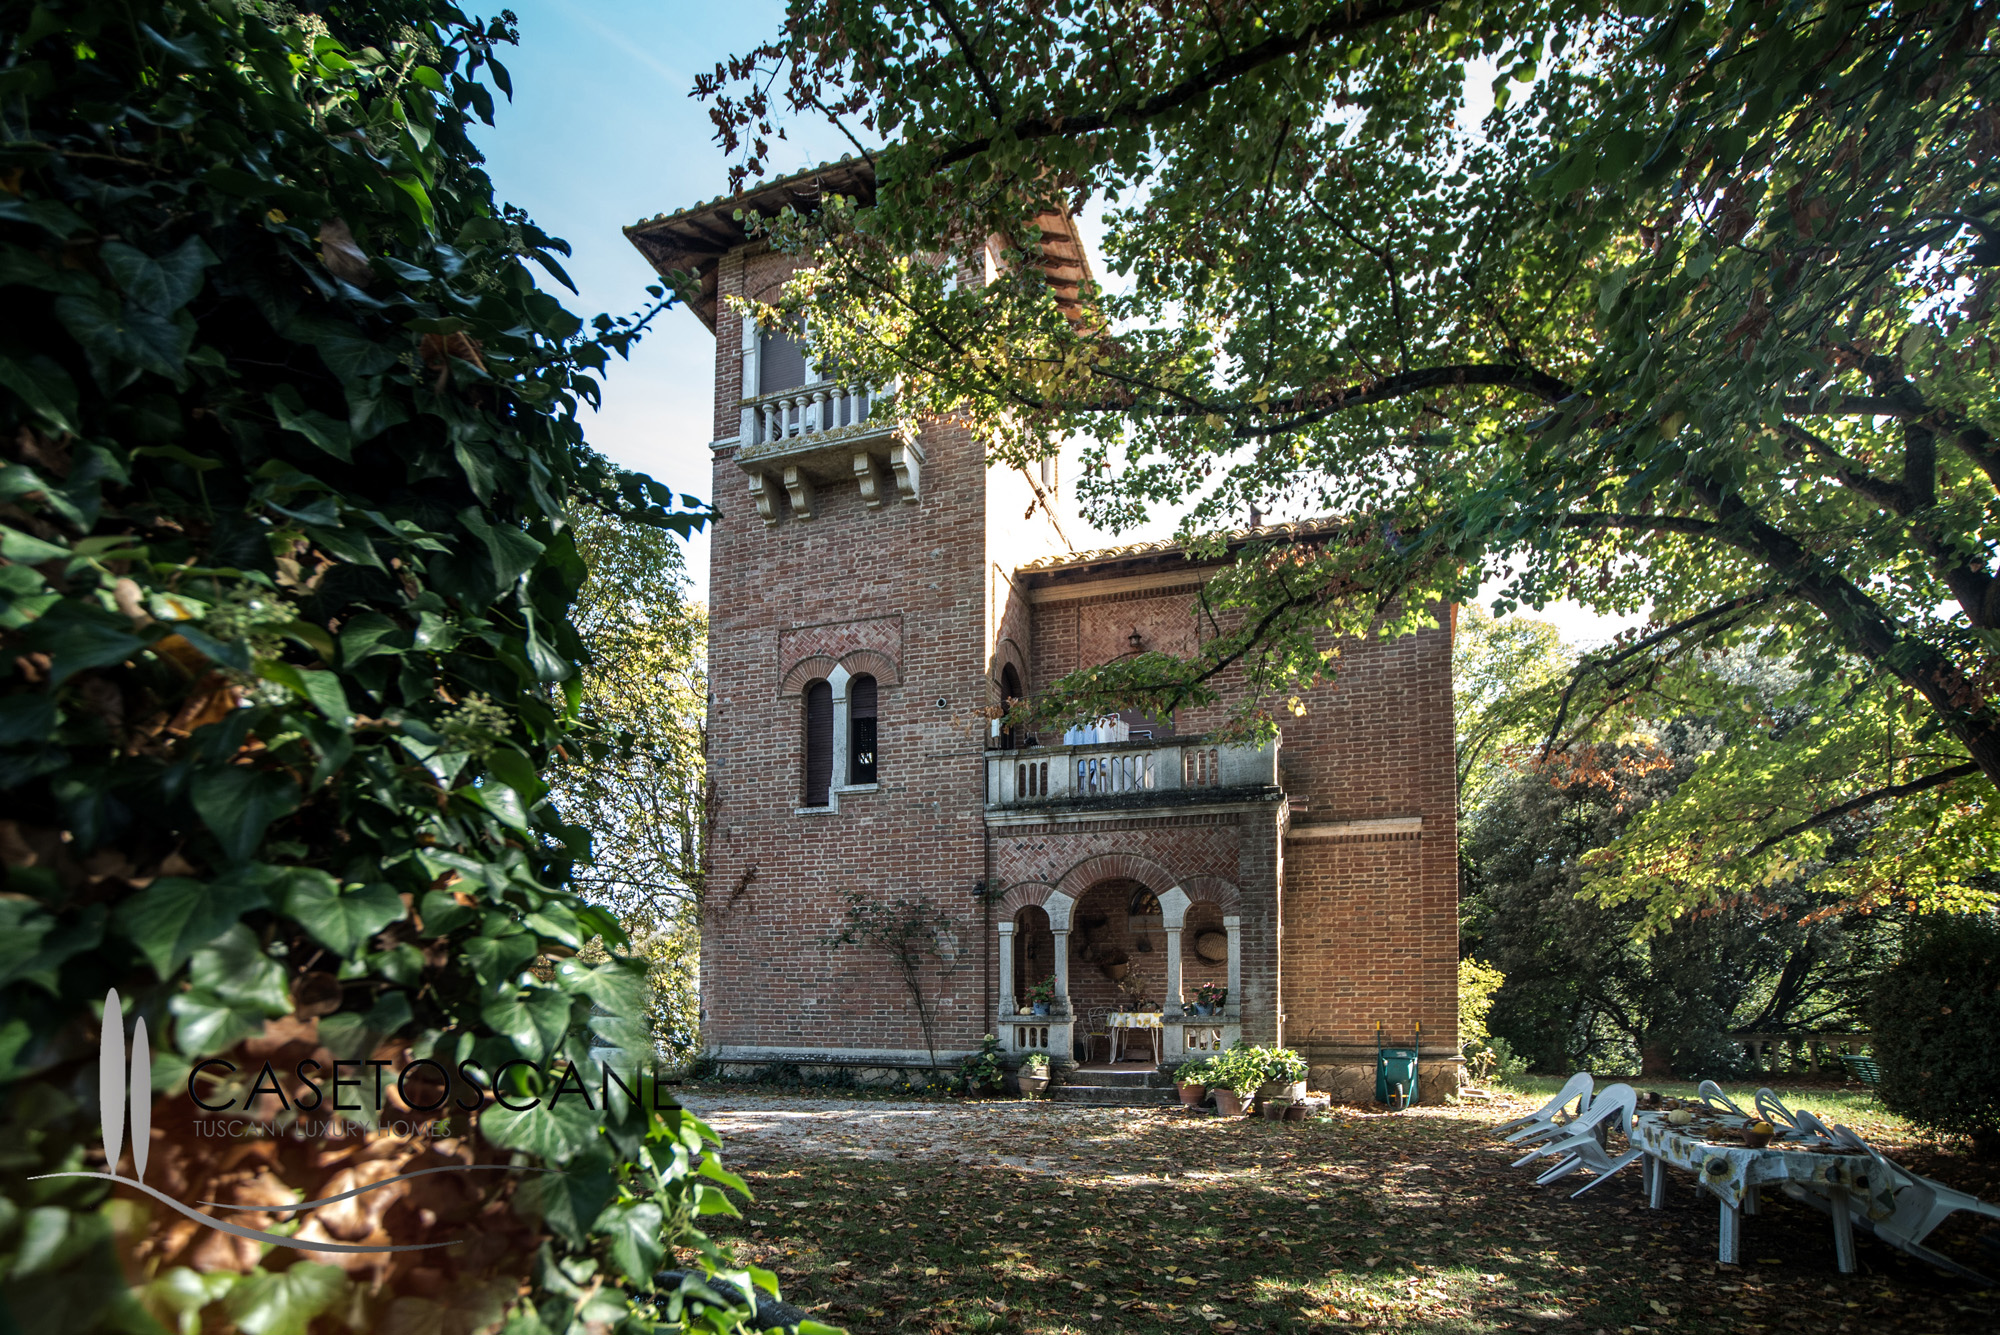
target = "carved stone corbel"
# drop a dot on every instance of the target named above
(868, 473)
(800, 488)
(764, 494)
(906, 461)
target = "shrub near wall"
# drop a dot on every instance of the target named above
(1936, 1018)
(287, 446)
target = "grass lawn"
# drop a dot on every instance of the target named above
(1004, 1218)
(1854, 1105)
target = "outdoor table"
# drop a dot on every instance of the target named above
(1736, 1173)
(1123, 1020)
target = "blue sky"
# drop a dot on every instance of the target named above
(602, 132)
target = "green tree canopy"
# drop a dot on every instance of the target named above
(637, 776)
(1697, 317)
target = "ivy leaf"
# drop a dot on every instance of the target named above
(127, 336)
(555, 1134)
(322, 689)
(571, 1201)
(329, 433)
(511, 551)
(161, 285)
(235, 968)
(77, 638)
(239, 802)
(637, 1244)
(342, 918)
(495, 958)
(175, 916)
(285, 1302)
(535, 1020)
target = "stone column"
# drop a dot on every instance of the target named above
(1233, 924)
(1058, 906)
(1173, 917)
(1008, 1006)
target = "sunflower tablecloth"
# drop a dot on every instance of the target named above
(1731, 1169)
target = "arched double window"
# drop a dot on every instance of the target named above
(819, 745)
(851, 720)
(861, 756)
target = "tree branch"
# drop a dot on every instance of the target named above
(1868, 799)
(1345, 19)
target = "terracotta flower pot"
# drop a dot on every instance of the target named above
(1032, 1084)
(1228, 1104)
(1275, 1109)
(1295, 1112)
(1192, 1094)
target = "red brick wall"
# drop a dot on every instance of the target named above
(778, 879)
(1369, 927)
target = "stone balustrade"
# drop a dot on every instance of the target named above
(1085, 773)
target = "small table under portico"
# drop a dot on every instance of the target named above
(1120, 1021)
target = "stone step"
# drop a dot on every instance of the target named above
(1135, 1079)
(1114, 1096)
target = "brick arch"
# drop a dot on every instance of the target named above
(885, 670)
(1026, 894)
(804, 672)
(1212, 890)
(1005, 652)
(1115, 867)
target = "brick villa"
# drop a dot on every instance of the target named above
(874, 597)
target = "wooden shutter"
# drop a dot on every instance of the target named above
(861, 757)
(781, 362)
(819, 744)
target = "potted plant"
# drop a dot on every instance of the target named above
(1210, 998)
(1233, 1076)
(1042, 996)
(1034, 1074)
(1284, 1074)
(1191, 1079)
(983, 1072)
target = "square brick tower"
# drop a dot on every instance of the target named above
(874, 595)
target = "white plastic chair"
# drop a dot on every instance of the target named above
(1800, 1125)
(1715, 1100)
(1576, 1090)
(1922, 1204)
(1584, 1147)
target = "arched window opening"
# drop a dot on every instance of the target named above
(819, 744)
(1010, 694)
(861, 756)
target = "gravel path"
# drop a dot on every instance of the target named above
(1040, 1137)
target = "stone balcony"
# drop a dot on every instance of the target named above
(1169, 771)
(795, 440)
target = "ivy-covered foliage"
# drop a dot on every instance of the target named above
(288, 460)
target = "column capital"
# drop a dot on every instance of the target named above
(1004, 928)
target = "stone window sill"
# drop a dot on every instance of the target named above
(859, 788)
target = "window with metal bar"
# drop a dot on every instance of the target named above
(861, 757)
(819, 744)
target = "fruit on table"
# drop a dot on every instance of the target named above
(1679, 1117)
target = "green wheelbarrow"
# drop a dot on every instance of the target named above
(1396, 1072)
